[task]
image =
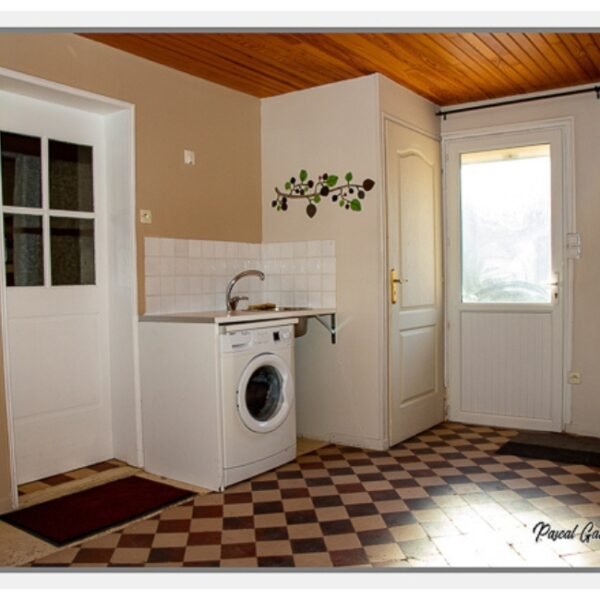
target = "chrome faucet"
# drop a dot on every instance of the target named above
(232, 302)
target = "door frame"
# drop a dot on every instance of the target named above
(385, 242)
(566, 126)
(119, 129)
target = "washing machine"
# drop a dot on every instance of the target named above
(257, 397)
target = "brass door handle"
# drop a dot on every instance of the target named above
(394, 279)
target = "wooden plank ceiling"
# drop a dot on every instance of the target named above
(446, 68)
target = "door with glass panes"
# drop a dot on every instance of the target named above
(506, 278)
(54, 286)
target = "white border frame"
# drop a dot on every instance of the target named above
(567, 127)
(20, 83)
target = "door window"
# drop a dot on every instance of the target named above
(505, 216)
(48, 210)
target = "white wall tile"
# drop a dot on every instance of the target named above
(196, 286)
(195, 266)
(182, 303)
(167, 266)
(167, 247)
(193, 274)
(153, 305)
(329, 300)
(328, 266)
(152, 286)
(182, 286)
(181, 266)
(167, 286)
(152, 265)
(181, 248)
(151, 246)
(196, 304)
(299, 249)
(208, 248)
(195, 248)
(314, 283)
(168, 304)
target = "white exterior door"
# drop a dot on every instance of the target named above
(415, 286)
(54, 283)
(506, 274)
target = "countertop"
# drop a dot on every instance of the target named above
(238, 316)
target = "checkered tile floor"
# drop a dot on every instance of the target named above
(77, 474)
(442, 498)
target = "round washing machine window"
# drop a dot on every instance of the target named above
(265, 394)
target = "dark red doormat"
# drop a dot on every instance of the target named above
(76, 516)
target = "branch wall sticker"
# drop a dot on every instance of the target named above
(347, 195)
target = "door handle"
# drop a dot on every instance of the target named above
(394, 279)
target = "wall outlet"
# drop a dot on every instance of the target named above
(189, 157)
(145, 216)
(574, 377)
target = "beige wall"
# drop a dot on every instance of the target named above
(585, 110)
(341, 388)
(217, 199)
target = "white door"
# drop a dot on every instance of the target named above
(54, 284)
(506, 278)
(415, 286)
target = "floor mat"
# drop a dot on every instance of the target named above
(79, 515)
(557, 447)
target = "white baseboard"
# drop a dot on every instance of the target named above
(359, 442)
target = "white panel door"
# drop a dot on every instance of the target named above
(506, 278)
(54, 282)
(415, 287)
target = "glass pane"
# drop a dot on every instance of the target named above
(263, 393)
(70, 172)
(21, 170)
(506, 225)
(23, 250)
(72, 251)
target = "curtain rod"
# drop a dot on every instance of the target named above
(452, 111)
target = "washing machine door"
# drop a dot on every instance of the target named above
(265, 394)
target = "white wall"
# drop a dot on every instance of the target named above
(586, 327)
(341, 389)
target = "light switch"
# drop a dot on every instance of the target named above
(189, 157)
(145, 216)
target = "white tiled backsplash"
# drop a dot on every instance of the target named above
(192, 275)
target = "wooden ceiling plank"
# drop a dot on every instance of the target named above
(576, 71)
(382, 57)
(495, 63)
(478, 57)
(506, 62)
(445, 68)
(528, 67)
(443, 63)
(425, 58)
(591, 48)
(269, 56)
(202, 60)
(553, 77)
(572, 42)
(167, 54)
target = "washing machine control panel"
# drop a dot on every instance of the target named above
(264, 338)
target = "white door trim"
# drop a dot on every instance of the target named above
(27, 85)
(566, 126)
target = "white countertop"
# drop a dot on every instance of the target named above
(238, 316)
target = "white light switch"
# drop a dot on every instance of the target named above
(189, 157)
